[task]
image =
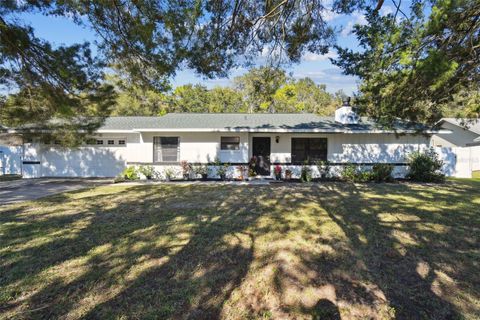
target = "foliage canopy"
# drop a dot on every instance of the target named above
(413, 66)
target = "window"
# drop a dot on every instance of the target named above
(165, 149)
(121, 142)
(56, 142)
(99, 142)
(309, 149)
(111, 142)
(230, 143)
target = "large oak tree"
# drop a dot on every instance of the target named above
(147, 40)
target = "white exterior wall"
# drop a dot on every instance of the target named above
(357, 148)
(196, 147)
(342, 148)
(204, 147)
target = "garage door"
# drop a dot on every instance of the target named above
(82, 162)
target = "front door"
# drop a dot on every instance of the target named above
(261, 153)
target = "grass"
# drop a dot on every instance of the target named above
(476, 174)
(323, 251)
(10, 177)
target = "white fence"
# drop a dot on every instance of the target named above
(10, 160)
(460, 162)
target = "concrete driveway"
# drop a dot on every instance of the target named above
(30, 189)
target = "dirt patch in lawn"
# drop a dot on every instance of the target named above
(322, 251)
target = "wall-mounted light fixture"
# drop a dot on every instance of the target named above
(277, 138)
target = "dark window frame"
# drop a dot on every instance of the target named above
(232, 145)
(162, 149)
(309, 150)
(122, 142)
(112, 142)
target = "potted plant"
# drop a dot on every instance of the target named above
(203, 170)
(130, 173)
(278, 172)
(288, 174)
(306, 173)
(169, 173)
(323, 168)
(222, 171)
(147, 171)
(186, 169)
(251, 166)
(241, 170)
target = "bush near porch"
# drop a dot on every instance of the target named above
(323, 251)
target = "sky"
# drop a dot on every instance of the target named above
(61, 30)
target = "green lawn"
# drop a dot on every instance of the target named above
(296, 251)
(10, 177)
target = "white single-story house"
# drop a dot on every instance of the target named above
(285, 139)
(462, 133)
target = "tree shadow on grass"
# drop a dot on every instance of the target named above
(406, 270)
(139, 257)
(209, 252)
(325, 310)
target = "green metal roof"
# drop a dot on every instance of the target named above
(261, 122)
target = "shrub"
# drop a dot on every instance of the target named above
(251, 167)
(277, 169)
(351, 173)
(425, 166)
(119, 179)
(169, 173)
(130, 173)
(382, 172)
(222, 170)
(288, 174)
(323, 168)
(186, 168)
(242, 170)
(364, 176)
(202, 170)
(147, 171)
(306, 174)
